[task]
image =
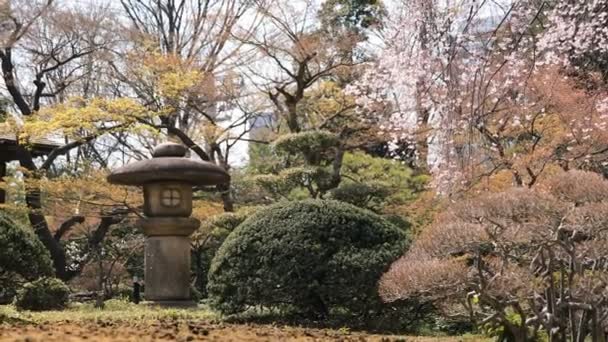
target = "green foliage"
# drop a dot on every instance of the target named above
(312, 255)
(195, 294)
(226, 222)
(453, 326)
(122, 292)
(351, 15)
(502, 333)
(125, 243)
(247, 191)
(370, 195)
(367, 182)
(205, 243)
(399, 222)
(262, 158)
(298, 167)
(315, 146)
(274, 184)
(372, 183)
(43, 294)
(22, 257)
(289, 183)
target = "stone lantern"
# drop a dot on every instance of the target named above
(167, 180)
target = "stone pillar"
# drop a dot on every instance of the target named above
(167, 272)
(167, 259)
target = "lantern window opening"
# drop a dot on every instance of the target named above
(171, 197)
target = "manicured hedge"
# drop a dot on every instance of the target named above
(21, 251)
(313, 256)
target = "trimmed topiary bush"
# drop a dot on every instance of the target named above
(307, 143)
(43, 294)
(313, 256)
(22, 258)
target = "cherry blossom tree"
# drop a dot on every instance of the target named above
(469, 80)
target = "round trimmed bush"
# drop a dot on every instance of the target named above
(22, 258)
(43, 294)
(313, 256)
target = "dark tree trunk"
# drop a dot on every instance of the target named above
(2, 175)
(136, 292)
(292, 117)
(318, 309)
(37, 219)
(515, 335)
(422, 143)
(226, 196)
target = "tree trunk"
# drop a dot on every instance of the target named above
(422, 136)
(423, 113)
(2, 175)
(37, 219)
(598, 331)
(582, 327)
(292, 117)
(99, 301)
(226, 196)
(514, 334)
(318, 309)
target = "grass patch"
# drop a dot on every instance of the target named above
(142, 321)
(115, 310)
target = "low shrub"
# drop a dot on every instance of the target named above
(22, 258)
(313, 256)
(43, 294)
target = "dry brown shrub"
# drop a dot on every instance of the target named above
(539, 253)
(579, 187)
(431, 277)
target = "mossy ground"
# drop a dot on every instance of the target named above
(122, 321)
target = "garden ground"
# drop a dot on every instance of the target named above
(119, 322)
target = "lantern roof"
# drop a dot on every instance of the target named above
(169, 163)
